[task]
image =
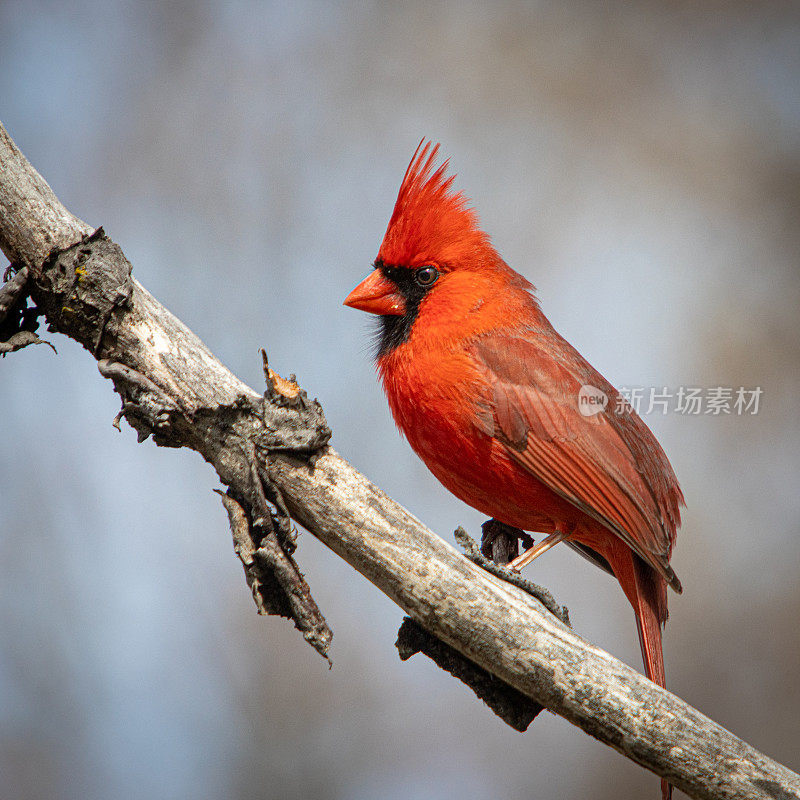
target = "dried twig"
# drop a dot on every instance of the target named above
(277, 585)
(22, 339)
(12, 291)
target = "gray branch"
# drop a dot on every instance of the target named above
(174, 389)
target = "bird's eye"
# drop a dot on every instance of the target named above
(426, 276)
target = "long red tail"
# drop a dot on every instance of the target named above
(647, 592)
(651, 614)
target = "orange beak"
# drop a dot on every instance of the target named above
(377, 295)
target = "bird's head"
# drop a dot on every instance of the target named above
(433, 247)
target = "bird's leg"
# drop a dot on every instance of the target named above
(499, 541)
(553, 539)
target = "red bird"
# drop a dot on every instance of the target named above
(486, 393)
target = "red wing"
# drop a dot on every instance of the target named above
(607, 464)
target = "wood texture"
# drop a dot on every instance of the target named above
(33, 219)
(175, 390)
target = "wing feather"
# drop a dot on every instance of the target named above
(608, 464)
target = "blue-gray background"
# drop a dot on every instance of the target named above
(639, 163)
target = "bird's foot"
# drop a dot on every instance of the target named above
(517, 563)
(543, 595)
(500, 542)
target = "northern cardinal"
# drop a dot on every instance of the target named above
(487, 394)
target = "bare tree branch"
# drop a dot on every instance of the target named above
(272, 454)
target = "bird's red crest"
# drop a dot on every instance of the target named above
(432, 223)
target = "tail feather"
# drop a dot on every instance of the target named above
(651, 614)
(647, 592)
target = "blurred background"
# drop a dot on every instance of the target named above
(640, 163)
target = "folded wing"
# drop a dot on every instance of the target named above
(608, 464)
